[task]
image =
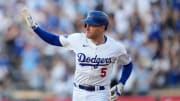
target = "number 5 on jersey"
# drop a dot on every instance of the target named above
(103, 71)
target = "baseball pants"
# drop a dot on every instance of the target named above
(97, 95)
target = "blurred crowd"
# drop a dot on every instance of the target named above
(150, 30)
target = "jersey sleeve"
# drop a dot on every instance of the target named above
(71, 41)
(123, 58)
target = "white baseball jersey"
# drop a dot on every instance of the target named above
(94, 63)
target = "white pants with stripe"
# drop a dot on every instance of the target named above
(98, 95)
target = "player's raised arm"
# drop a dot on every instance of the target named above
(46, 36)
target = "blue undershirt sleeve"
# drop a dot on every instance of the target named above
(48, 37)
(127, 69)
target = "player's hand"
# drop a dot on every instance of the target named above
(116, 91)
(29, 20)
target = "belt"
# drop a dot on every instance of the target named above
(89, 88)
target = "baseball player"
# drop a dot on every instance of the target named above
(96, 53)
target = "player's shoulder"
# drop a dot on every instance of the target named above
(116, 45)
(76, 35)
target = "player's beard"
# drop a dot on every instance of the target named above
(93, 35)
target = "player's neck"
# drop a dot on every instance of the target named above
(100, 40)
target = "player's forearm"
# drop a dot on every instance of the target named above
(117, 90)
(47, 36)
(127, 69)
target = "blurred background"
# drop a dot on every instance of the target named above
(32, 70)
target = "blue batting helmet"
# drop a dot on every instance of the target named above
(96, 18)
